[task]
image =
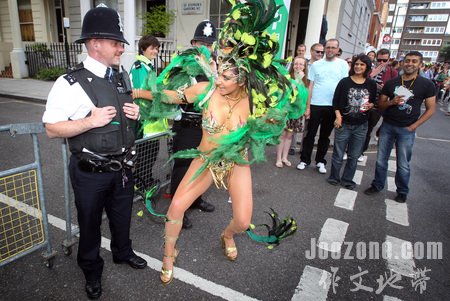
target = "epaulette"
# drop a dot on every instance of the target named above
(137, 64)
(70, 76)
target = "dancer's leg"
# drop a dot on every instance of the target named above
(186, 194)
(240, 187)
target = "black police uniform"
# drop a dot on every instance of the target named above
(101, 179)
(101, 161)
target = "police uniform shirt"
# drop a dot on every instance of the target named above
(66, 101)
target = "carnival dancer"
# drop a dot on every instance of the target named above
(244, 109)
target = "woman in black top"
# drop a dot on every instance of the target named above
(353, 97)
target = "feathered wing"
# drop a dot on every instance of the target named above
(184, 66)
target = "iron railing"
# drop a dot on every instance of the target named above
(51, 55)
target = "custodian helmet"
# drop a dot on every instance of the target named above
(205, 32)
(102, 23)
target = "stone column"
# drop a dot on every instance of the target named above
(129, 27)
(17, 55)
(316, 9)
(85, 6)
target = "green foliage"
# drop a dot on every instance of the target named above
(445, 53)
(157, 21)
(50, 74)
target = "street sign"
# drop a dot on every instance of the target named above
(386, 38)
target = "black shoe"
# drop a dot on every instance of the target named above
(203, 205)
(187, 224)
(400, 198)
(291, 152)
(333, 182)
(93, 289)
(134, 261)
(371, 190)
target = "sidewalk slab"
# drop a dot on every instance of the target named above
(25, 89)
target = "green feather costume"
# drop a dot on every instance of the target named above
(274, 96)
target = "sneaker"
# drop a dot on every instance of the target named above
(371, 190)
(321, 167)
(361, 158)
(344, 157)
(301, 165)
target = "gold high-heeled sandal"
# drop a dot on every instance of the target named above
(228, 250)
(166, 275)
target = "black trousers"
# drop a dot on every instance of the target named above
(374, 117)
(93, 193)
(324, 117)
(184, 138)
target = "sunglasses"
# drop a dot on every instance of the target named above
(318, 51)
(382, 60)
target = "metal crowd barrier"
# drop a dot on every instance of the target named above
(152, 170)
(23, 216)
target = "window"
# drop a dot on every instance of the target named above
(391, 7)
(419, 5)
(398, 30)
(218, 11)
(438, 18)
(26, 21)
(414, 29)
(417, 18)
(396, 41)
(434, 29)
(440, 5)
(431, 42)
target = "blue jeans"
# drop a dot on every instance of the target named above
(352, 136)
(404, 141)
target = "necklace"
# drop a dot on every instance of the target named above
(410, 85)
(227, 97)
(231, 107)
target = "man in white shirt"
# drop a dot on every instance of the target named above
(324, 76)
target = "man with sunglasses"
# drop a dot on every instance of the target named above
(381, 74)
(324, 76)
(316, 53)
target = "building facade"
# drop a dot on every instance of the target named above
(416, 25)
(57, 21)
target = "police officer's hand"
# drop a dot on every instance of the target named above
(131, 110)
(102, 116)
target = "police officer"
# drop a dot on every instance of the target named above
(187, 128)
(92, 106)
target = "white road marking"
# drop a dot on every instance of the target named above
(389, 298)
(432, 139)
(397, 212)
(332, 235)
(179, 273)
(345, 199)
(364, 162)
(400, 256)
(393, 153)
(24, 102)
(313, 286)
(391, 184)
(358, 177)
(392, 165)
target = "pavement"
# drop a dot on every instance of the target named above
(25, 89)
